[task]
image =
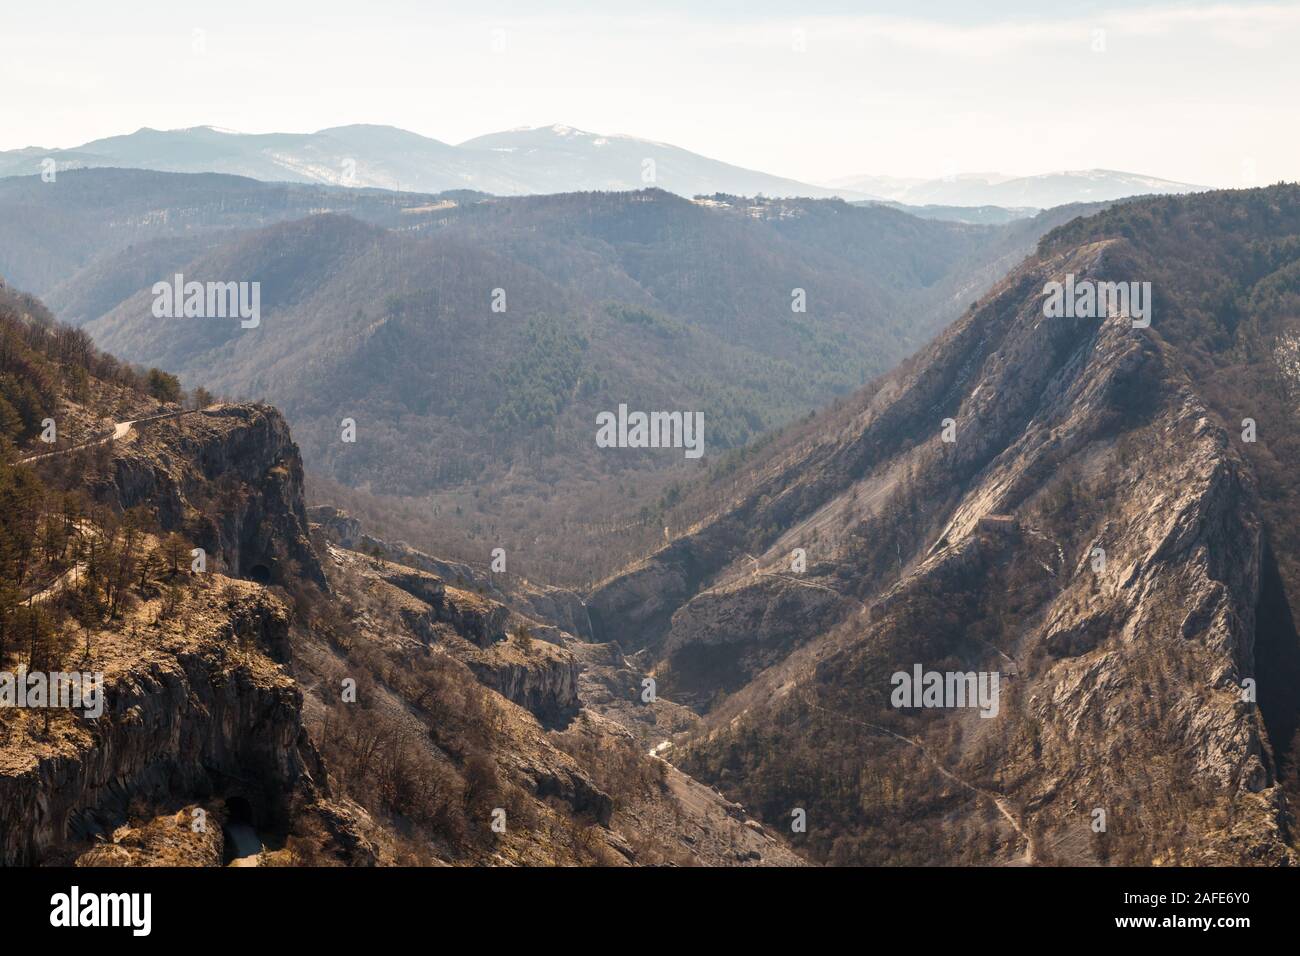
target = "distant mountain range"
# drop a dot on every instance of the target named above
(543, 160)
(995, 189)
(551, 159)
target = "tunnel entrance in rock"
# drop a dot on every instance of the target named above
(239, 810)
(1277, 662)
(241, 840)
(260, 573)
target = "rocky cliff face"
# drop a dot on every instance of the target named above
(231, 478)
(548, 687)
(201, 706)
(201, 713)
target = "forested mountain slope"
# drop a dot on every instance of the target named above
(495, 330)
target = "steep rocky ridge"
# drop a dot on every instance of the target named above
(1126, 676)
(231, 477)
(543, 678)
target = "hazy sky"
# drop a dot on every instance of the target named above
(1200, 92)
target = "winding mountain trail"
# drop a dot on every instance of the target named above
(59, 584)
(118, 432)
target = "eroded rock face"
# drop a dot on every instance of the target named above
(547, 686)
(564, 780)
(198, 717)
(476, 618)
(1075, 438)
(231, 478)
(200, 702)
(635, 608)
(339, 526)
